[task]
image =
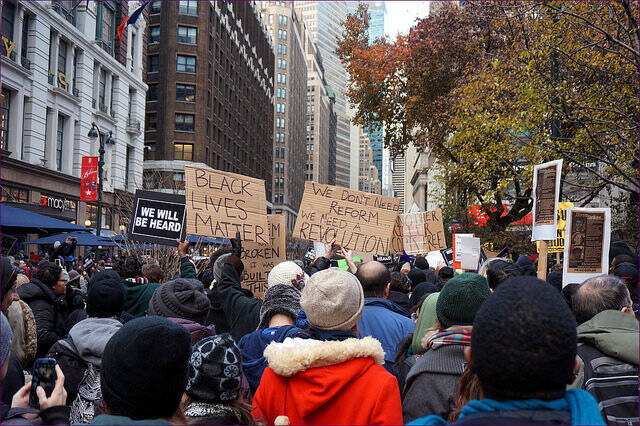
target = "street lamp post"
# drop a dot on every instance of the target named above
(96, 133)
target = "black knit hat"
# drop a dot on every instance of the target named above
(421, 263)
(144, 368)
(181, 298)
(279, 299)
(523, 340)
(416, 276)
(460, 299)
(628, 272)
(106, 295)
(215, 370)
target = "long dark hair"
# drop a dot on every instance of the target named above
(468, 389)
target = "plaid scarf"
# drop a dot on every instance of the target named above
(457, 335)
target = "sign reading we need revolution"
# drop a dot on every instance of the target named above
(357, 220)
(219, 204)
(157, 218)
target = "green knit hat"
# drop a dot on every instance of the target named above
(460, 299)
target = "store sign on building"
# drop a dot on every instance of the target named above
(61, 204)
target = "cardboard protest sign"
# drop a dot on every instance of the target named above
(546, 191)
(219, 204)
(557, 245)
(357, 220)
(157, 218)
(396, 238)
(259, 259)
(422, 232)
(586, 250)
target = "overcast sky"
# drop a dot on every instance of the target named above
(402, 15)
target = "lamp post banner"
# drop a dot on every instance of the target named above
(89, 179)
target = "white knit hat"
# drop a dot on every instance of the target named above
(284, 273)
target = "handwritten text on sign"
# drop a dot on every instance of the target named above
(423, 232)
(219, 204)
(357, 220)
(259, 259)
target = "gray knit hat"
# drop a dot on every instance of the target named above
(217, 266)
(333, 300)
(279, 299)
(181, 298)
(6, 334)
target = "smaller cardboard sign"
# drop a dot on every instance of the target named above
(259, 259)
(157, 218)
(546, 191)
(423, 232)
(586, 249)
(396, 238)
(467, 252)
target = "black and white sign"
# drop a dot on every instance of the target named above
(157, 217)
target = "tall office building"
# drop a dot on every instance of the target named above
(63, 68)
(210, 71)
(290, 85)
(323, 20)
(368, 174)
(378, 15)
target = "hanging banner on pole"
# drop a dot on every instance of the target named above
(219, 204)
(89, 179)
(586, 248)
(546, 191)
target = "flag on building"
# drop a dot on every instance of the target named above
(132, 19)
(89, 179)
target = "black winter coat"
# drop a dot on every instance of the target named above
(52, 314)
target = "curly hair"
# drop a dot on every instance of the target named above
(48, 273)
(128, 266)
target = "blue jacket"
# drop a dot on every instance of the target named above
(252, 348)
(581, 409)
(387, 322)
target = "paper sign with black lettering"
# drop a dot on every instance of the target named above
(157, 218)
(357, 220)
(219, 204)
(546, 191)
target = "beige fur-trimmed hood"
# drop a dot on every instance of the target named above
(295, 355)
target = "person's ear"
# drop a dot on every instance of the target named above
(467, 353)
(627, 310)
(576, 369)
(386, 290)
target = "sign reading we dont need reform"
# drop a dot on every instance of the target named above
(219, 204)
(357, 220)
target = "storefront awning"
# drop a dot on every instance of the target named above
(14, 217)
(83, 238)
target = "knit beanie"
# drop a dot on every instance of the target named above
(181, 298)
(628, 272)
(144, 368)
(523, 340)
(217, 266)
(9, 275)
(460, 299)
(279, 299)
(106, 295)
(426, 320)
(421, 263)
(6, 334)
(286, 272)
(215, 370)
(333, 300)
(416, 276)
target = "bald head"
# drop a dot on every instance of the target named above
(374, 278)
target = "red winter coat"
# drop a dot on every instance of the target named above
(313, 382)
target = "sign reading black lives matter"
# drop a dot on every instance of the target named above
(157, 218)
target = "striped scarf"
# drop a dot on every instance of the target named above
(457, 335)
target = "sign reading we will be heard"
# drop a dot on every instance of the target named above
(157, 217)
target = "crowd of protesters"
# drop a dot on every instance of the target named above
(393, 343)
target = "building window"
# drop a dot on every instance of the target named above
(152, 93)
(6, 101)
(186, 64)
(284, 34)
(187, 35)
(188, 7)
(67, 9)
(185, 93)
(156, 6)
(151, 121)
(155, 34)
(284, 20)
(8, 21)
(183, 151)
(184, 122)
(91, 214)
(102, 89)
(127, 166)
(284, 64)
(149, 154)
(284, 49)
(59, 142)
(62, 57)
(14, 195)
(280, 49)
(154, 63)
(106, 25)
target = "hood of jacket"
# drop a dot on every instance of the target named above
(36, 290)
(197, 330)
(387, 304)
(91, 335)
(614, 333)
(343, 361)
